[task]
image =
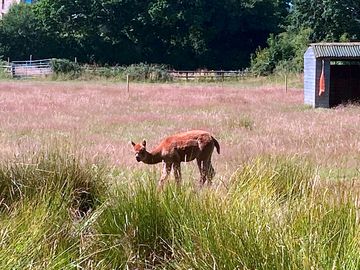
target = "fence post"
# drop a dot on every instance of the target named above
(12, 70)
(128, 84)
(286, 83)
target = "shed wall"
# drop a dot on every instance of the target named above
(309, 77)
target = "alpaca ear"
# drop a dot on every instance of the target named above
(144, 143)
(132, 143)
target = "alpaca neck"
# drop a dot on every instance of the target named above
(153, 157)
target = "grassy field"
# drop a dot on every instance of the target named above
(250, 119)
(72, 195)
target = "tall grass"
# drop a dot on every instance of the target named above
(272, 214)
(269, 218)
(101, 118)
(43, 198)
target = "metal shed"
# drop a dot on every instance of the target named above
(331, 74)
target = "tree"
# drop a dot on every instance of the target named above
(328, 19)
(284, 53)
(236, 28)
(218, 34)
(19, 33)
(71, 25)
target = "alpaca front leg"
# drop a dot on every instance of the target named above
(177, 172)
(164, 175)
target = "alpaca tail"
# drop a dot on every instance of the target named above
(217, 145)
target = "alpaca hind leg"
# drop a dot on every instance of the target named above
(177, 172)
(200, 164)
(210, 173)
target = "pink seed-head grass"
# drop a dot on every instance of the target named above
(102, 118)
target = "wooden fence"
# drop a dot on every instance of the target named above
(42, 68)
(207, 74)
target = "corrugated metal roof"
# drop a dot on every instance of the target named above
(337, 50)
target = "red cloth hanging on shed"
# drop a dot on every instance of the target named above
(322, 81)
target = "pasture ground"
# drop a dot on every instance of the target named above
(249, 120)
(72, 195)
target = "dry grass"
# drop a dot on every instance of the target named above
(100, 118)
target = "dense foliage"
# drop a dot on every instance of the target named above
(284, 53)
(183, 34)
(214, 34)
(330, 20)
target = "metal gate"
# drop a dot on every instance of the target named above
(30, 68)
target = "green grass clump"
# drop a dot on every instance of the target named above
(44, 199)
(270, 218)
(242, 122)
(283, 178)
(37, 236)
(271, 214)
(50, 174)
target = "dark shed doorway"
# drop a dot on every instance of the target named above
(344, 83)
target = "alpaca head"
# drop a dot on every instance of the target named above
(140, 150)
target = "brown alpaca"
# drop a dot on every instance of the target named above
(182, 147)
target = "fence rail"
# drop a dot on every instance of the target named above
(41, 61)
(207, 74)
(181, 74)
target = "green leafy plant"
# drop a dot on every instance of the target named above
(66, 67)
(146, 72)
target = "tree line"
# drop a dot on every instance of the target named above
(214, 34)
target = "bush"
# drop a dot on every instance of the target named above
(104, 72)
(145, 72)
(137, 72)
(66, 67)
(284, 53)
(3, 72)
